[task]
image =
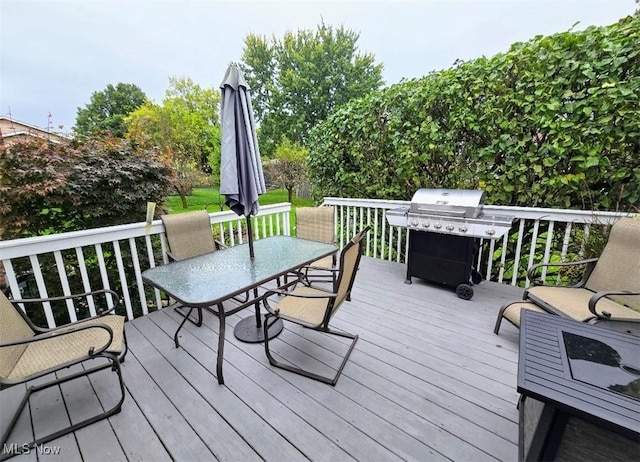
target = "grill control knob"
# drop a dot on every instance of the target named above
(463, 229)
(437, 225)
(414, 222)
(450, 227)
(425, 224)
(490, 231)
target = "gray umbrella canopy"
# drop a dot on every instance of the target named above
(241, 177)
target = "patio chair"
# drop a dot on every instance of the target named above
(609, 288)
(189, 235)
(29, 352)
(314, 308)
(316, 224)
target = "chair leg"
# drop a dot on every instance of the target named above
(268, 322)
(496, 329)
(114, 364)
(125, 349)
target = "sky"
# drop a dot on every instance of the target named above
(55, 53)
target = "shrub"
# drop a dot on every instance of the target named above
(553, 122)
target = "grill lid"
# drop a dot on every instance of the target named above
(461, 203)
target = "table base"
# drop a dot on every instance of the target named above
(246, 330)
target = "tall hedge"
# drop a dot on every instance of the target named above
(553, 122)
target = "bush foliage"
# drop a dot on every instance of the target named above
(553, 122)
(53, 188)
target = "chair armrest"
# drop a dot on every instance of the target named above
(271, 292)
(335, 270)
(590, 262)
(53, 333)
(75, 296)
(593, 301)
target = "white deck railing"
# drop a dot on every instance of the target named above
(113, 258)
(557, 235)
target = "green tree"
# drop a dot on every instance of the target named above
(296, 82)
(288, 168)
(107, 109)
(185, 128)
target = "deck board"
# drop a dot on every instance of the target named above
(427, 380)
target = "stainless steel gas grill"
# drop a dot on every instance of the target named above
(445, 226)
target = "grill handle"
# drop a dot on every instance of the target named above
(451, 213)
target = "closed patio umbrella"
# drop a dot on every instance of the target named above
(241, 177)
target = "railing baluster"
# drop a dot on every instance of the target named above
(85, 280)
(64, 282)
(516, 260)
(341, 227)
(547, 250)
(42, 290)
(152, 263)
(503, 257)
(565, 247)
(375, 234)
(12, 280)
(368, 234)
(492, 246)
(532, 250)
(103, 272)
(138, 275)
(123, 280)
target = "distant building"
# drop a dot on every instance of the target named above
(13, 131)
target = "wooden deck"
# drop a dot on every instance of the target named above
(428, 380)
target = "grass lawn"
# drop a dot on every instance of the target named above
(209, 199)
(213, 200)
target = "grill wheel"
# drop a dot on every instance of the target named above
(464, 291)
(476, 277)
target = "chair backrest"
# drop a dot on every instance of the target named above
(189, 234)
(13, 327)
(618, 268)
(315, 224)
(349, 261)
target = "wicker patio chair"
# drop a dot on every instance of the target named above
(28, 352)
(609, 288)
(316, 224)
(189, 234)
(314, 308)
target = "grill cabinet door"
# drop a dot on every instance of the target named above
(441, 258)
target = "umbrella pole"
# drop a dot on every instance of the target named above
(252, 256)
(250, 236)
(249, 329)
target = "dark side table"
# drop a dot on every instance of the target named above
(580, 391)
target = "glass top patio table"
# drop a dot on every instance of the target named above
(208, 280)
(212, 278)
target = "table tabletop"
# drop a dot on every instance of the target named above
(211, 278)
(582, 368)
